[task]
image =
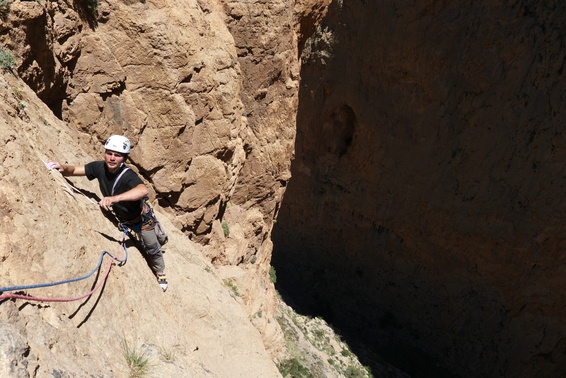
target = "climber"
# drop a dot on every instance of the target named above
(126, 194)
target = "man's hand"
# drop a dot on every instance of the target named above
(66, 170)
(54, 165)
(106, 202)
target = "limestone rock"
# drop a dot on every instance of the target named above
(51, 233)
(208, 98)
(13, 353)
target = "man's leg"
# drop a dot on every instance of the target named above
(154, 255)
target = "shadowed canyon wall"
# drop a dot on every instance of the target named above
(425, 217)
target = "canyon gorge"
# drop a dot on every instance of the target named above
(425, 214)
(392, 167)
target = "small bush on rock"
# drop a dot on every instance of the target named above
(7, 61)
(293, 368)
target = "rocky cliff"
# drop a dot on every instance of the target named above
(52, 233)
(426, 215)
(207, 91)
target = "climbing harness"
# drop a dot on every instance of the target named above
(121, 262)
(146, 221)
(118, 179)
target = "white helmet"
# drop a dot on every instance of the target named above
(118, 143)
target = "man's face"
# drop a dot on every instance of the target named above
(113, 160)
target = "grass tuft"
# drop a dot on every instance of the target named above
(137, 360)
(233, 287)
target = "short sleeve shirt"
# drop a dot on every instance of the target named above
(125, 210)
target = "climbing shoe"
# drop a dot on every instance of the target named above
(162, 280)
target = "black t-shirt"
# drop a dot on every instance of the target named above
(125, 210)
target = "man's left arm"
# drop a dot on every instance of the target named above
(134, 194)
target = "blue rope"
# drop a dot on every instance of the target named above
(122, 262)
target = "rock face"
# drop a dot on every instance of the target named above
(425, 214)
(207, 91)
(51, 233)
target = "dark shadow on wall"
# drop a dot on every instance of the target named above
(317, 282)
(335, 253)
(335, 262)
(414, 217)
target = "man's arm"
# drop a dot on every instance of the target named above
(67, 170)
(134, 194)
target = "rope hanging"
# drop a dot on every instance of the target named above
(19, 296)
(106, 274)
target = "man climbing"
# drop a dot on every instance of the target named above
(125, 192)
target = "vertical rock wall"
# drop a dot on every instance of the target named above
(425, 215)
(206, 90)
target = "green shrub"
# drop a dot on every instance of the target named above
(92, 6)
(272, 275)
(233, 287)
(355, 372)
(7, 61)
(225, 228)
(17, 93)
(294, 369)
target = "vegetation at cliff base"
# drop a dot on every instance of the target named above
(313, 349)
(293, 368)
